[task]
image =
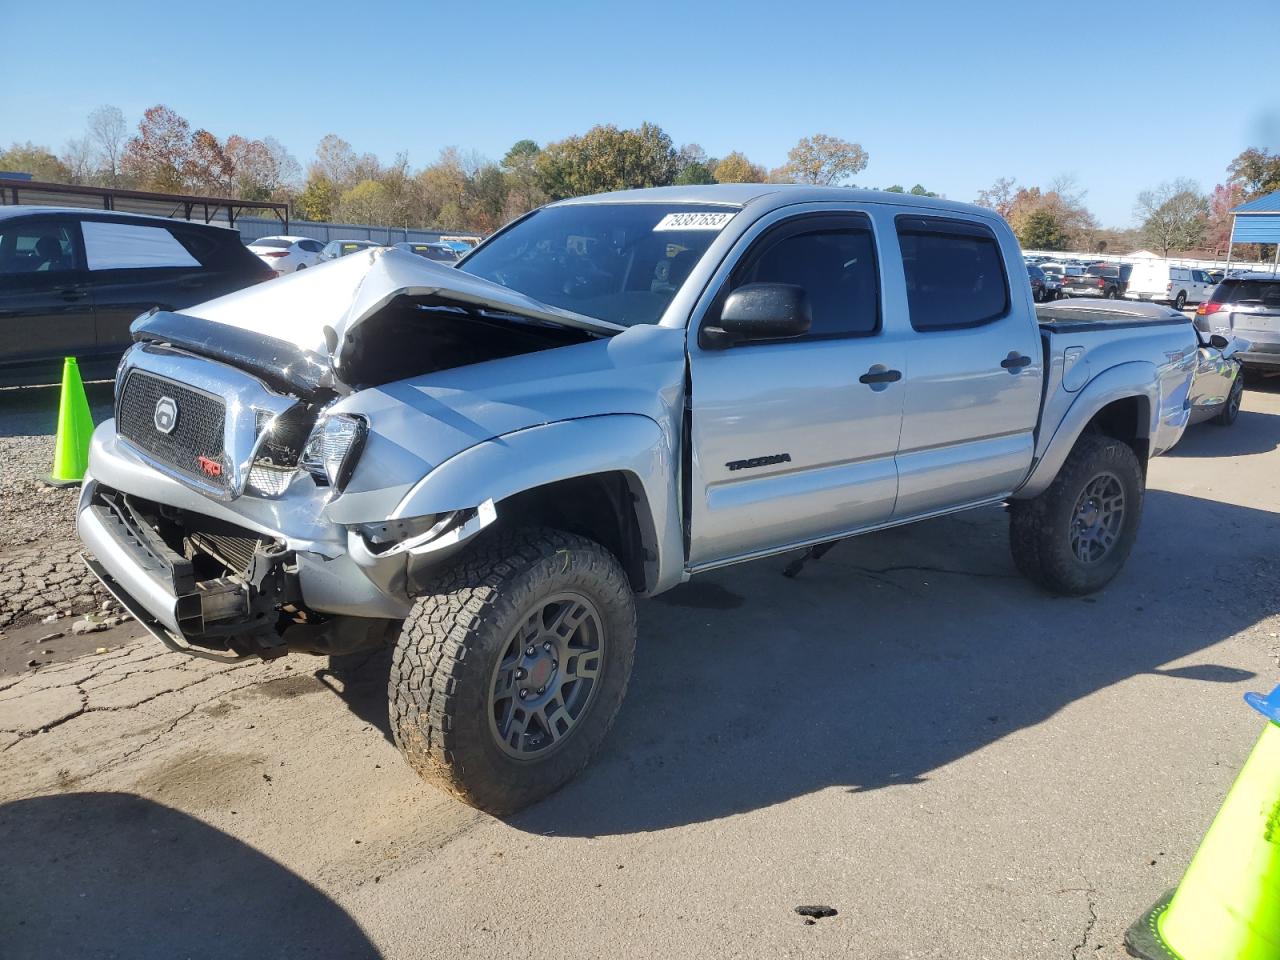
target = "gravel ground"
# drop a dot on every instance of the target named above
(40, 571)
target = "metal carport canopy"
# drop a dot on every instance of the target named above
(1257, 221)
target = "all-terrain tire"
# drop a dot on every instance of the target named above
(1040, 529)
(444, 663)
(1231, 409)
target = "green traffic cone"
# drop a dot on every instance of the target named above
(1228, 904)
(75, 427)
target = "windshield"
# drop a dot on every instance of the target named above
(620, 262)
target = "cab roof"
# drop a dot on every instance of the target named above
(773, 195)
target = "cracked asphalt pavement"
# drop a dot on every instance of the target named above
(957, 764)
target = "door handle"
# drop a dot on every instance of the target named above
(1014, 361)
(880, 374)
(70, 293)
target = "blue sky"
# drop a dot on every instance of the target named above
(948, 94)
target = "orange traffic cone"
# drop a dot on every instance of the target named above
(75, 427)
(1228, 904)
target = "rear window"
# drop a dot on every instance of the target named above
(273, 244)
(128, 246)
(1100, 271)
(955, 273)
(1265, 292)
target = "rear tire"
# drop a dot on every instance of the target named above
(463, 656)
(1075, 536)
(1231, 409)
(1180, 300)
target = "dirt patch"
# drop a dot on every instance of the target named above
(286, 688)
(200, 778)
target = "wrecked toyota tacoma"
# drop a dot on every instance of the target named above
(485, 464)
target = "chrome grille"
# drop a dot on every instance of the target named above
(197, 433)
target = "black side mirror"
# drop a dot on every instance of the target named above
(760, 311)
(1219, 342)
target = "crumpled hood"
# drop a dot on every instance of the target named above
(341, 294)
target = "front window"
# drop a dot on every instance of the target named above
(619, 262)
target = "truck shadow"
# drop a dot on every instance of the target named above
(115, 875)
(1253, 432)
(896, 654)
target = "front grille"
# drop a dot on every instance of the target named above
(194, 446)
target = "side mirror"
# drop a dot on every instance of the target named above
(1219, 342)
(760, 311)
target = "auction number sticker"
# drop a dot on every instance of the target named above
(693, 221)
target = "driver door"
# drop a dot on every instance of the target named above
(793, 441)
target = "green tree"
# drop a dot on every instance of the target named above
(607, 158)
(318, 197)
(367, 202)
(1174, 216)
(694, 173)
(1042, 231)
(736, 168)
(823, 159)
(35, 160)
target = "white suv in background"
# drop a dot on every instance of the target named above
(287, 254)
(1160, 281)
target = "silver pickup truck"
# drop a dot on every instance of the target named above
(486, 464)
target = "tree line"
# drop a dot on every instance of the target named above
(1173, 217)
(459, 191)
(465, 191)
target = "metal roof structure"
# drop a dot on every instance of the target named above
(1257, 221)
(17, 191)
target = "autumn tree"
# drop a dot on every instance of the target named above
(823, 159)
(318, 198)
(1224, 198)
(917, 191)
(1000, 196)
(35, 160)
(736, 168)
(1174, 215)
(1257, 172)
(607, 158)
(159, 153)
(78, 157)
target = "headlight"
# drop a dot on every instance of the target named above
(333, 448)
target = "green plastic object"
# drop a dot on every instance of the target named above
(1228, 904)
(75, 427)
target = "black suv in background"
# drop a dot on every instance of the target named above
(73, 280)
(1100, 280)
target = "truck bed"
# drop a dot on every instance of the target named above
(1071, 316)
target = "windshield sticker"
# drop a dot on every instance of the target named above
(693, 221)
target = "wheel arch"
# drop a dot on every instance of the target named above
(1122, 402)
(609, 478)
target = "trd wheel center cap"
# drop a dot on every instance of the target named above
(1089, 514)
(540, 672)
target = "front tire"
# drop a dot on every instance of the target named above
(512, 667)
(1075, 536)
(1231, 409)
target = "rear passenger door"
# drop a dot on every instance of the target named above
(793, 440)
(974, 367)
(46, 312)
(132, 268)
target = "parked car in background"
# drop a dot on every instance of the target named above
(1162, 282)
(440, 252)
(1107, 280)
(1040, 284)
(287, 254)
(340, 248)
(1248, 307)
(73, 280)
(1217, 387)
(486, 464)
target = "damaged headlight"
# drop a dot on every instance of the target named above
(333, 448)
